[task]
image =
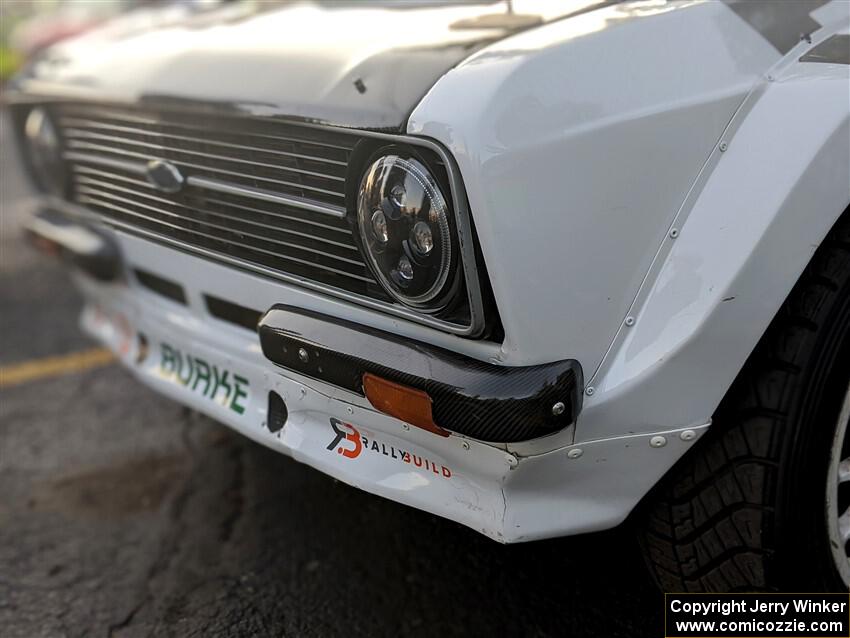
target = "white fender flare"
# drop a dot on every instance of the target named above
(773, 188)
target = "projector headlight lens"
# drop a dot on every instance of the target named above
(404, 224)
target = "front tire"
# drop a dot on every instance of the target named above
(762, 502)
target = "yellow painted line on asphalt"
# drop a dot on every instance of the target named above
(37, 369)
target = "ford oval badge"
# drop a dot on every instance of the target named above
(164, 176)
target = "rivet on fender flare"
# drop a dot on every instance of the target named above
(575, 453)
(688, 435)
(658, 441)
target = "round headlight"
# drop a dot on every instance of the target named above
(404, 225)
(45, 151)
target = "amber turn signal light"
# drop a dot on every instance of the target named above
(407, 404)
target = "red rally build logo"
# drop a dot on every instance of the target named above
(349, 443)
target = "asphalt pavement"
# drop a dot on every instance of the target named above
(124, 514)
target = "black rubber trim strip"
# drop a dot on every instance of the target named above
(86, 247)
(242, 316)
(470, 397)
(161, 286)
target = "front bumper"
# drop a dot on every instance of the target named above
(463, 395)
(218, 368)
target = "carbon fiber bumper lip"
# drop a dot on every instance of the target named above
(470, 397)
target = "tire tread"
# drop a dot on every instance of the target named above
(709, 525)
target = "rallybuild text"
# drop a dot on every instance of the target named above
(757, 615)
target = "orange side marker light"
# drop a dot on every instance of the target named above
(407, 404)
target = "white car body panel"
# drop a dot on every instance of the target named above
(600, 237)
(766, 206)
(573, 179)
(646, 180)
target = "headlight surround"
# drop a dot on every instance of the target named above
(45, 151)
(407, 231)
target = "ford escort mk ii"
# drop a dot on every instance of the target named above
(536, 267)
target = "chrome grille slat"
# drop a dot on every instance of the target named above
(74, 134)
(271, 211)
(261, 194)
(232, 231)
(156, 122)
(73, 123)
(97, 148)
(127, 166)
(89, 186)
(81, 169)
(93, 201)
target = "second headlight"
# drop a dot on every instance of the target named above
(405, 225)
(45, 151)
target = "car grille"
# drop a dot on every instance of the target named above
(257, 191)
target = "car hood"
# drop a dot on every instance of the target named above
(356, 64)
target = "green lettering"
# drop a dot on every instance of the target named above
(167, 362)
(220, 382)
(203, 374)
(238, 393)
(197, 372)
(191, 363)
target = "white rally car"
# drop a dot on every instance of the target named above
(533, 266)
